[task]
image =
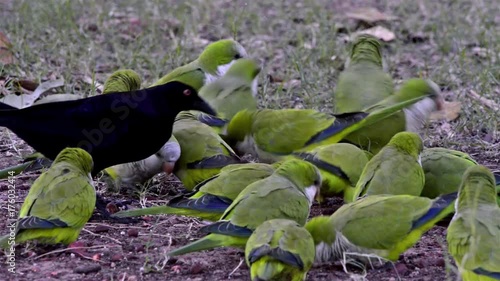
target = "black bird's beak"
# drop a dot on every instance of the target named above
(202, 106)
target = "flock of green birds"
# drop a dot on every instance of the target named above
(368, 151)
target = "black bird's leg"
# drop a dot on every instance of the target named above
(101, 206)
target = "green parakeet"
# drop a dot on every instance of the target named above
(364, 82)
(279, 250)
(396, 169)
(139, 172)
(376, 226)
(443, 170)
(233, 91)
(203, 151)
(212, 63)
(59, 203)
(211, 197)
(412, 118)
(287, 194)
(270, 134)
(340, 165)
(122, 80)
(474, 232)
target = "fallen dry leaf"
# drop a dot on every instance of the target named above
(450, 111)
(378, 31)
(25, 100)
(97, 85)
(486, 102)
(290, 84)
(6, 56)
(369, 15)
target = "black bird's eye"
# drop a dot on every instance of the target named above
(237, 56)
(187, 92)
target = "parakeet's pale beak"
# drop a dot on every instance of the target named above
(318, 196)
(168, 167)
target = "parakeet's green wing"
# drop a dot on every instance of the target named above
(292, 205)
(361, 215)
(58, 203)
(299, 126)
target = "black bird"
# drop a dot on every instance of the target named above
(114, 128)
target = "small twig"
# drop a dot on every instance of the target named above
(237, 267)
(102, 236)
(486, 102)
(75, 248)
(94, 224)
(154, 234)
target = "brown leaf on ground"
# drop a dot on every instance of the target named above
(369, 15)
(450, 111)
(486, 102)
(6, 56)
(380, 32)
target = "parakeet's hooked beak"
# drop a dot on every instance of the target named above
(202, 106)
(168, 167)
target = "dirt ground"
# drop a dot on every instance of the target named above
(302, 46)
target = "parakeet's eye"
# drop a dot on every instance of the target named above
(316, 182)
(187, 92)
(237, 56)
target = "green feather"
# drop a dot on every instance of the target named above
(60, 201)
(473, 235)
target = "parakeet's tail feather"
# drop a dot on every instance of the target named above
(37, 223)
(341, 122)
(30, 166)
(162, 210)
(4, 241)
(321, 164)
(217, 161)
(227, 228)
(211, 120)
(198, 186)
(205, 203)
(278, 254)
(497, 178)
(491, 274)
(157, 210)
(439, 205)
(208, 242)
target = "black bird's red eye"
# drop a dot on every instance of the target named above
(187, 92)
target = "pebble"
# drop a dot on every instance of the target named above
(84, 269)
(116, 257)
(133, 232)
(101, 228)
(401, 268)
(196, 268)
